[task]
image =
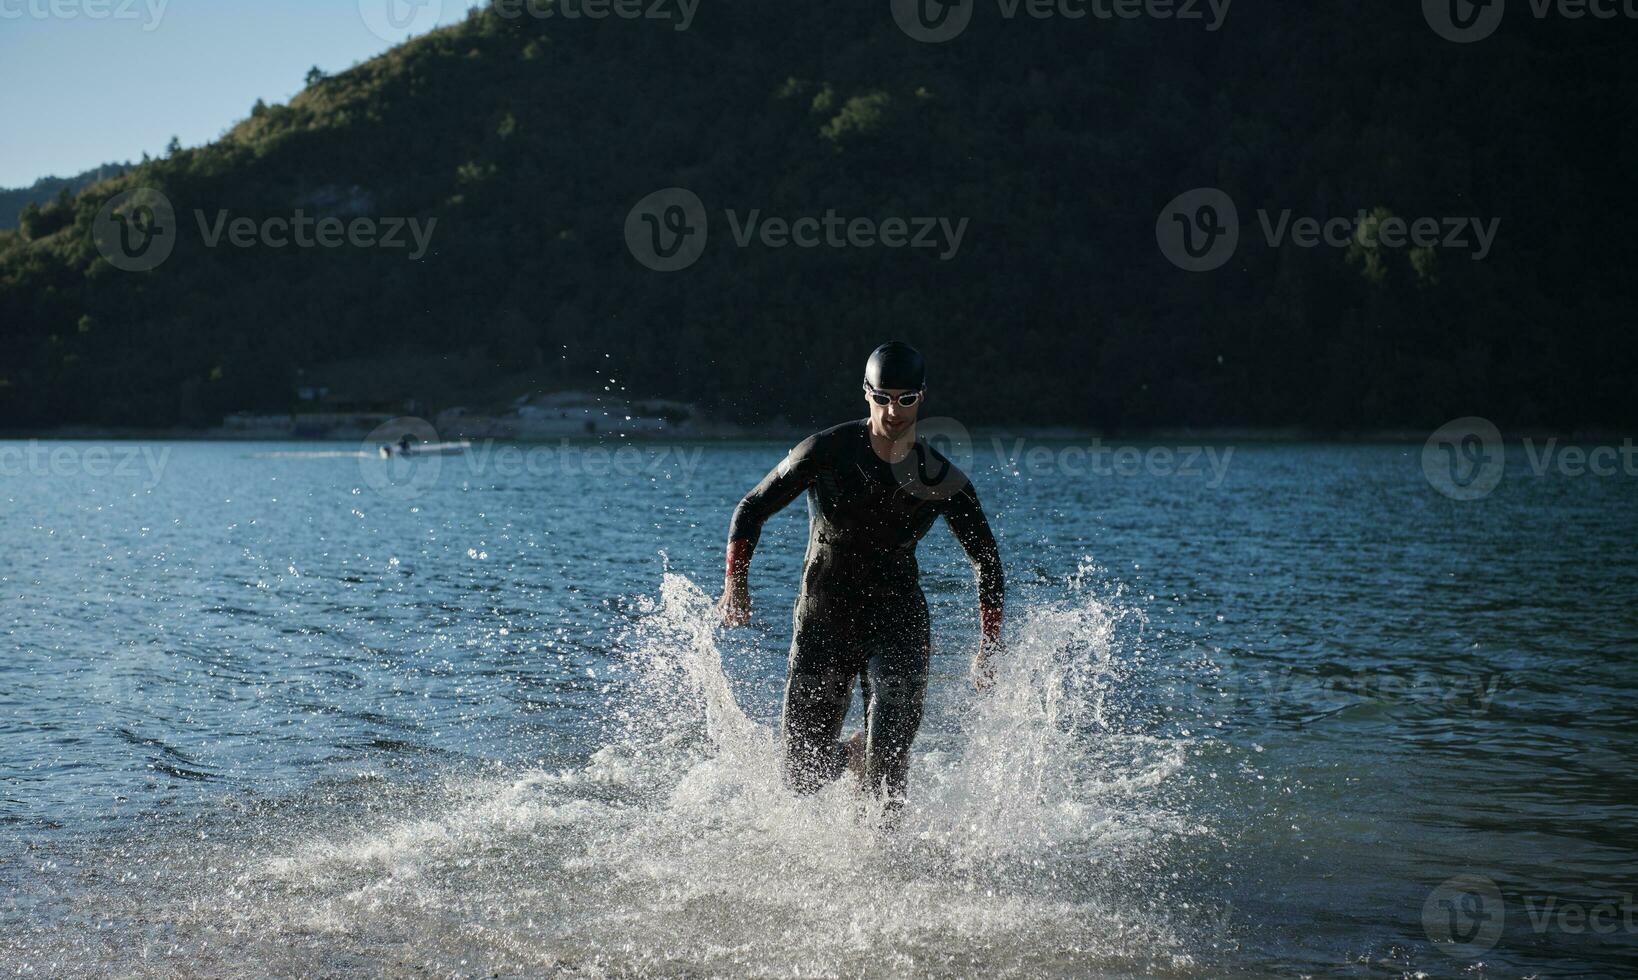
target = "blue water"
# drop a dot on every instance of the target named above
(293, 709)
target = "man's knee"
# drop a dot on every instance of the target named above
(897, 699)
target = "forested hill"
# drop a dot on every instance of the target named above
(14, 201)
(1060, 142)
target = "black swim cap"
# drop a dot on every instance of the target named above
(896, 365)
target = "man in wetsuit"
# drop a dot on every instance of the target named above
(873, 491)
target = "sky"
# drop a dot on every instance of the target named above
(87, 82)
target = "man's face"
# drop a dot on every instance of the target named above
(893, 420)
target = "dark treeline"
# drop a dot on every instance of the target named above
(1060, 141)
(15, 202)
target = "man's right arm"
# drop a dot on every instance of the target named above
(783, 484)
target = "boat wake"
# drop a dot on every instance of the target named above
(319, 454)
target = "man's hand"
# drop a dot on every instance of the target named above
(736, 602)
(983, 670)
(989, 624)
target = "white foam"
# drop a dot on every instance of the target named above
(674, 848)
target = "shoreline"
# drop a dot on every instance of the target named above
(734, 434)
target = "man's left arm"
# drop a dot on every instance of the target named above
(972, 529)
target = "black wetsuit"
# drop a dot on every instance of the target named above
(861, 612)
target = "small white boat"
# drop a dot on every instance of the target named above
(407, 449)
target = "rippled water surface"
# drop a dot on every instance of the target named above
(297, 710)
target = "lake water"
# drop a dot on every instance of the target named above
(299, 710)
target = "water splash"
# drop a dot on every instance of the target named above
(1029, 845)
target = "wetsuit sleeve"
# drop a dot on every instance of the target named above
(783, 484)
(972, 529)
